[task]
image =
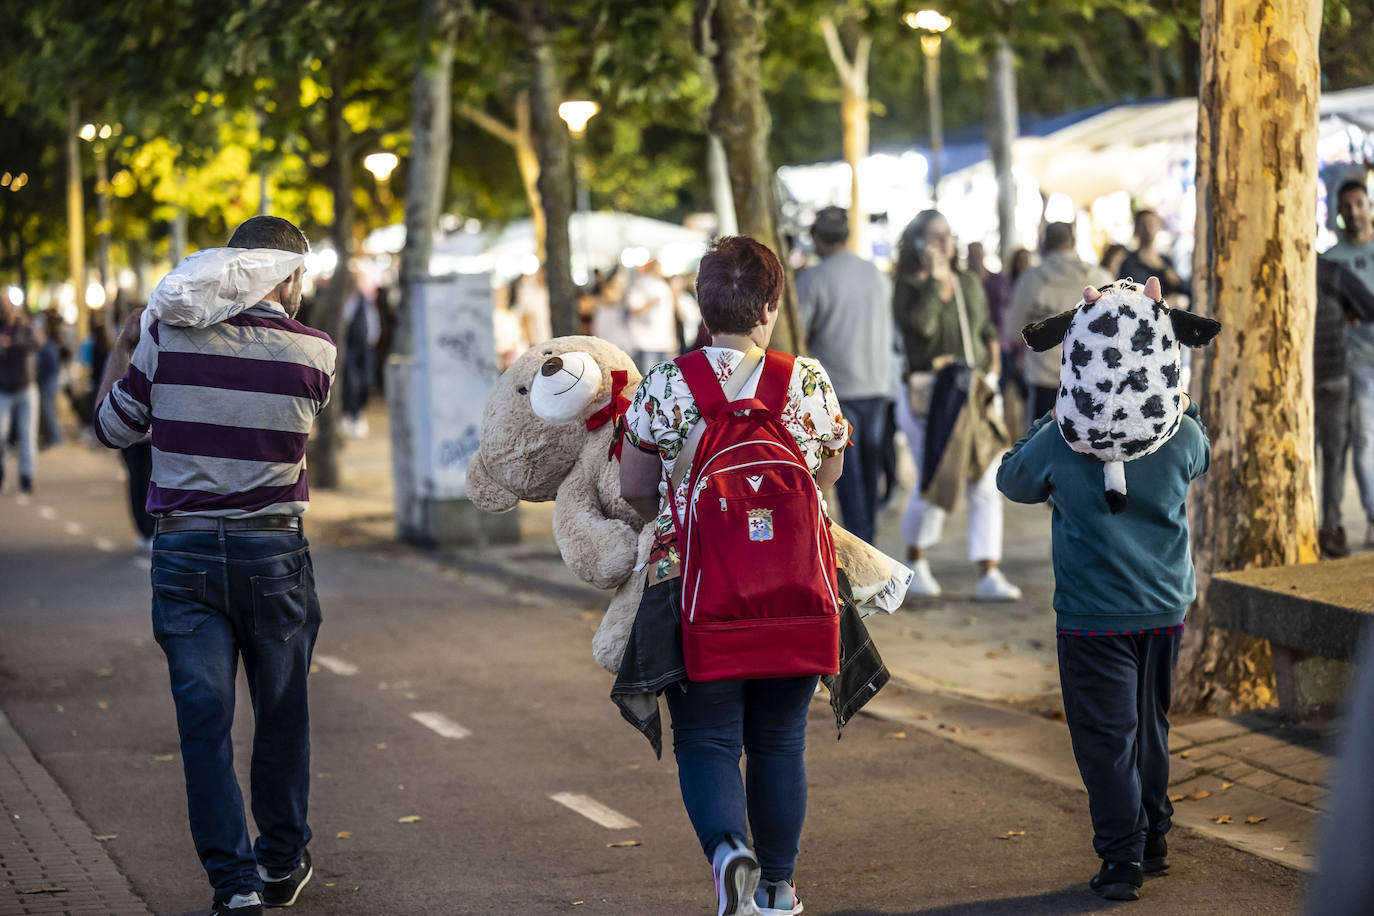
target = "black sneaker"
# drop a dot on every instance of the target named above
(222, 908)
(1156, 854)
(284, 891)
(25, 483)
(1118, 881)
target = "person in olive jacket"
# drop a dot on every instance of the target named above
(942, 315)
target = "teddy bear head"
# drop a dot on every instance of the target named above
(535, 423)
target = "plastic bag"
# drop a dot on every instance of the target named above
(215, 284)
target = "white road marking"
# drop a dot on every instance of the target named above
(75, 529)
(104, 544)
(593, 810)
(441, 724)
(47, 513)
(337, 665)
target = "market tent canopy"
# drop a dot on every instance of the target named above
(600, 238)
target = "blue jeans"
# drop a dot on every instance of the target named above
(1362, 445)
(21, 408)
(857, 488)
(712, 723)
(218, 596)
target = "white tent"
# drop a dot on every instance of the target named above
(602, 239)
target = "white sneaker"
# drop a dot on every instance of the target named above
(778, 898)
(923, 584)
(735, 869)
(993, 586)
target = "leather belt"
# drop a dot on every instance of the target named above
(200, 523)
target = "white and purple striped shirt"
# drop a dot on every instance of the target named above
(230, 407)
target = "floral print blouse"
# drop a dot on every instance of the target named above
(663, 413)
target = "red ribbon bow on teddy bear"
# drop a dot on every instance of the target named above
(614, 412)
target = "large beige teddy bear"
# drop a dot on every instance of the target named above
(549, 433)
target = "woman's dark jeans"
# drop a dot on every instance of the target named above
(218, 596)
(712, 723)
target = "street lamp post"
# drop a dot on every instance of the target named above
(931, 24)
(576, 113)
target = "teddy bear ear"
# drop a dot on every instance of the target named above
(1048, 334)
(485, 493)
(1193, 330)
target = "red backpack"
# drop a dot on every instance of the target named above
(759, 587)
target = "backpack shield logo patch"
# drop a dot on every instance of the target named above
(760, 524)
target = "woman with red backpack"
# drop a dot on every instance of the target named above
(740, 608)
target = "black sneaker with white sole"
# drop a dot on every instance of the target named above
(1118, 881)
(223, 908)
(284, 891)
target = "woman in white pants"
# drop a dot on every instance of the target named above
(942, 315)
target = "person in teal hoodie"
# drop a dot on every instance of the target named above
(1123, 582)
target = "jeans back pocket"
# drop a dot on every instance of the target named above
(178, 602)
(280, 604)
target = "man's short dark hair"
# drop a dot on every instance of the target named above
(1059, 236)
(269, 232)
(738, 279)
(1353, 184)
(831, 226)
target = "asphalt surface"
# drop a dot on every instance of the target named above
(898, 823)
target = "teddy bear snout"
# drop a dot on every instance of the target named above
(565, 387)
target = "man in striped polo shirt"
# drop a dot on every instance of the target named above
(230, 407)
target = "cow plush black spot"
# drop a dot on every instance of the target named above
(1120, 378)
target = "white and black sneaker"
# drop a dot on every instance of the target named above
(283, 891)
(735, 869)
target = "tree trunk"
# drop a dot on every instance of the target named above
(328, 315)
(1254, 270)
(555, 174)
(740, 118)
(429, 152)
(1002, 130)
(853, 74)
(527, 161)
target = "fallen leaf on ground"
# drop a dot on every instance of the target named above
(408, 819)
(895, 735)
(163, 758)
(102, 705)
(108, 836)
(1011, 834)
(45, 890)
(993, 655)
(104, 672)
(1174, 798)
(577, 903)
(1186, 754)
(1255, 820)
(1198, 796)
(1222, 819)
(329, 884)
(381, 745)
(314, 669)
(1226, 785)
(920, 715)
(958, 730)
(622, 844)
(344, 835)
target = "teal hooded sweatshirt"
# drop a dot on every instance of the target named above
(1113, 573)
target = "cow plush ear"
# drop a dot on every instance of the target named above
(1193, 330)
(1048, 334)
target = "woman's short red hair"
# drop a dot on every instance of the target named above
(739, 278)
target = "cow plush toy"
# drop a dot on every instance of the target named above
(1119, 395)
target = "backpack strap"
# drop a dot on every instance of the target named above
(702, 383)
(776, 379)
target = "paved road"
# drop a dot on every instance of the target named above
(898, 823)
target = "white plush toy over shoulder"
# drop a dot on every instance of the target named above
(1119, 395)
(549, 433)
